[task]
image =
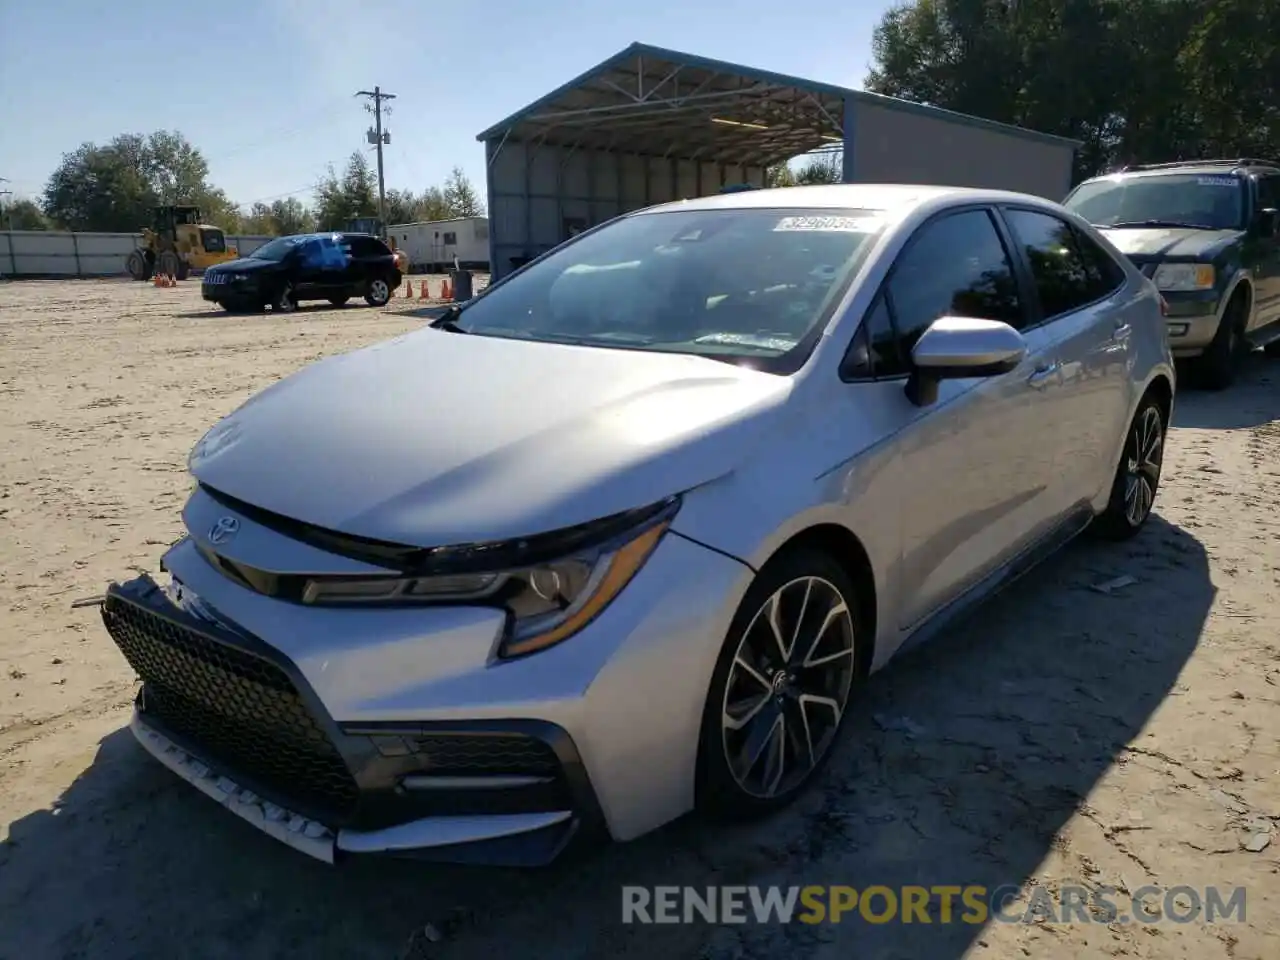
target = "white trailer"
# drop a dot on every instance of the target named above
(432, 245)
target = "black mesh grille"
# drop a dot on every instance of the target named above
(473, 755)
(236, 710)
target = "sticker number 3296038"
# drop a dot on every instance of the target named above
(827, 224)
(1217, 181)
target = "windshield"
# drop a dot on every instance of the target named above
(1211, 202)
(751, 286)
(276, 249)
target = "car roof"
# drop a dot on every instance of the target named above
(844, 196)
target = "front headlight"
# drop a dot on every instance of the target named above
(1184, 276)
(239, 277)
(546, 602)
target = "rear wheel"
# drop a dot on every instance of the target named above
(378, 292)
(339, 301)
(184, 270)
(286, 301)
(781, 685)
(137, 265)
(1137, 480)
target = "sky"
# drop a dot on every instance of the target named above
(266, 89)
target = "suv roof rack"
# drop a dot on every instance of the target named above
(1240, 162)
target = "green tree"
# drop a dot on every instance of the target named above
(116, 185)
(342, 198)
(820, 168)
(23, 215)
(460, 196)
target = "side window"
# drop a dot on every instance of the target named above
(874, 352)
(1269, 192)
(1062, 278)
(956, 266)
(313, 253)
(1104, 273)
(450, 238)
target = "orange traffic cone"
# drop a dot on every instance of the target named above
(408, 289)
(425, 292)
(157, 280)
(171, 280)
(447, 293)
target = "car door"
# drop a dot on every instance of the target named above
(1087, 332)
(369, 258)
(309, 272)
(975, 468)
(1265, 252)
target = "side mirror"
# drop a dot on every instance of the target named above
(956, 348)
(1268, 222)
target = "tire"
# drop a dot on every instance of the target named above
(812, 701)
(137, 265)
(339, 301)
(1272, 349)
(378, 292)
(285, 300)
(184, 270)
(1216, 368)
(1137, 480)
(168, 263)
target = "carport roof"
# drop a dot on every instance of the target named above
(659, 102)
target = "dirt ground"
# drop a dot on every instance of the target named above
(1067, 735)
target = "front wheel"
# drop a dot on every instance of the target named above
(781, 686)
(378, 292)
(286, 300)
(1137, 479)
(1218, 365)
(137, 265)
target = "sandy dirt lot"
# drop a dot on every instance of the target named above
(1067, 735)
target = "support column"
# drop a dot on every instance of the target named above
(849, 121)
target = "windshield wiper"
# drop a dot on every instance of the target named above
(448, 321)
(1159, 223)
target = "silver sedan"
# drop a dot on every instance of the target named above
(619, 537)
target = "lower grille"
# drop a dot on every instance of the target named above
(477, 755)
(235, 709)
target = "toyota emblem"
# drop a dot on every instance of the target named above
(223, 530)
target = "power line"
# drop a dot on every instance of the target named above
(378, 136)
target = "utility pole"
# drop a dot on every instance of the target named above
(377, 136)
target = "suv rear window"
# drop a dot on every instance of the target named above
(1210, 201)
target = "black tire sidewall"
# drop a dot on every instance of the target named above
(717, 791)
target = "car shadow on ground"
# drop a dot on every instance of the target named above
(959, 766)
(1251, 401)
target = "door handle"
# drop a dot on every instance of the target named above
(1044, 374)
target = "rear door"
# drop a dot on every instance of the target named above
(976, 466)
(1266, 255)
(370, 258)
(1086, 329)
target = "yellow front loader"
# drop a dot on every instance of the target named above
(177, 243)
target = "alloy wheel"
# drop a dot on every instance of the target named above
(1143, 459)
(379, 292)
(788, 687)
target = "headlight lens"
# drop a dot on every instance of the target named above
(546, 602)
(1184, 276)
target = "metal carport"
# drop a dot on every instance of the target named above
(650, 125)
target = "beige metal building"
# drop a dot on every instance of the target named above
(650, 125)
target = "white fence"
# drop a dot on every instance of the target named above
(50, 253)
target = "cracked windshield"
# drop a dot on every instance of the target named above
(743, 285)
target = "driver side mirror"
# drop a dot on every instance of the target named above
(1268, 222)
(956, 348)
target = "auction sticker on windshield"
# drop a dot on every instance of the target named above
(828, 224)
(1217, 182)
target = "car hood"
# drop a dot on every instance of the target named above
(242, 265)
(438, 438)
(1150, 243)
